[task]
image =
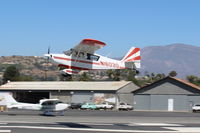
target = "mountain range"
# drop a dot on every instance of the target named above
(182, 58)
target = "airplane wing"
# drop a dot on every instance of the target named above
(89, 46)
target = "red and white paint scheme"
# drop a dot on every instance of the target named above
(82, 57)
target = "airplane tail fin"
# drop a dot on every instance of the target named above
(7, 99)
(132, 58)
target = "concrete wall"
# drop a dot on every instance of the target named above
(82, 97)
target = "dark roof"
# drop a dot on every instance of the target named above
(173, 78)
(187, 83)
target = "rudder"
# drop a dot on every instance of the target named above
(133, 56)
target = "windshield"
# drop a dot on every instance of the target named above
(51, 102)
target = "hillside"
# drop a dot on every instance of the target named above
(30, 65)
(38, 68)
(184, 59)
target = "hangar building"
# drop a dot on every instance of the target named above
(72, 92)
(168, 94)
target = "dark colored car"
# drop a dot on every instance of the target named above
(75, 105)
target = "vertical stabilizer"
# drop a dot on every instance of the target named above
(133, 56)
(7, 99)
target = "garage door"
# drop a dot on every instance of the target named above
(30, 97)
(82, 97)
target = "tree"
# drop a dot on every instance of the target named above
(114, 74)
(85, 77)
(173, 73)
(193, 79)
(11, 73)
(110, 73)
(130, 75)
(65, 77)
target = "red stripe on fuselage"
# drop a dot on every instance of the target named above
(73, 67)
(81, 68)
(107, 64)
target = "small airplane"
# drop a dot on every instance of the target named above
(82, 57)
(48, 106)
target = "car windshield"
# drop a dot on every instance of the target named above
(197, 105)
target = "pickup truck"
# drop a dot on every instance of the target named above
(125, 106)
(104, 106)
(196, 108)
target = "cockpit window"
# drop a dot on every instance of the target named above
(92, 57)
(69, 52)
(83, 55)
(57, 102)
(51, 102)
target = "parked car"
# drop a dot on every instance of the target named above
(75, 105)
(88, 106)
(125, 106)
(104, 105)
(196, 108)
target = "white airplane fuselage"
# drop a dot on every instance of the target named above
(44, 105)
(39, 107)
(82, 57)
(97, 62)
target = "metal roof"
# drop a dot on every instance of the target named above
(173, 78)
(63, 85)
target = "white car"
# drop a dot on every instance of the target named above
(196, 108)
(125, 106)
(104, 105)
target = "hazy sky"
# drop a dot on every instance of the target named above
(28, 27)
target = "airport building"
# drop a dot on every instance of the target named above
(168, 94)
(72, 91)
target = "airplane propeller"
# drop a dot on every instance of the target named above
(47, 61)
(48, 52)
